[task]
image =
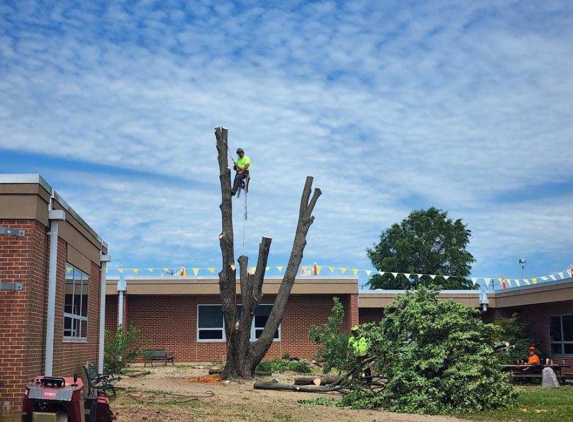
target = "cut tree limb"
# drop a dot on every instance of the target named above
(270, 385)
(322, 380)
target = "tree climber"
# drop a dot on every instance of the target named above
(242, 166)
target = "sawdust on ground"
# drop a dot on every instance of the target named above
(186, 393)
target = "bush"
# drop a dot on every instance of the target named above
(284, 365)
(518, 334)
(121, 349)
(438, 357)
(333, 342)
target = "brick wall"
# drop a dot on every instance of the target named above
(170, 322)
(370, 315)
(537, 317)
(111, 313)
(23, 314)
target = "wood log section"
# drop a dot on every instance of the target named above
(275, 385)
(322, 380)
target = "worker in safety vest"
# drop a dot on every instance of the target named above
(242, 167)
(358, 347)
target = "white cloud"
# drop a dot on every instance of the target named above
(454, 105)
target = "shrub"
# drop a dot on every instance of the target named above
(121, 349)
(333, 343)
(284, 365)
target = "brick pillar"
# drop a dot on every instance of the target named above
(352, 316)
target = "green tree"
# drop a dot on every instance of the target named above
(427, 242)
(438, 357)
(333, 342)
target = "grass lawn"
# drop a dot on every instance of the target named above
(534, 404)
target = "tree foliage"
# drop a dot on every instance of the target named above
(332, 340)
(438, 357)
(426, 242)
(519, 336)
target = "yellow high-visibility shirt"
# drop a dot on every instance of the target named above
(359, 346)
(241, 162)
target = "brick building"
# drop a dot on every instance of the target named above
(50, 288)
(183, 314)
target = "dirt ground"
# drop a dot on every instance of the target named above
(180, 393)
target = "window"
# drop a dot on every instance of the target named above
(561, 334)
(76, 305)
(211, 325)
(261, 317)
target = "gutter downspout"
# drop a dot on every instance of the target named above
(54, 216)
(121, 287)
(104, 259)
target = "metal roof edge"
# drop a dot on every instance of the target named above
(38, 179)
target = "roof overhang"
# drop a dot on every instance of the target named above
(174, 285)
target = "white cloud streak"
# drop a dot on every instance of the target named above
(390, 106)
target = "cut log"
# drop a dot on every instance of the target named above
(270, 385)
(322, 380)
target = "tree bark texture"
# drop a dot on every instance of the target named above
(243, 355)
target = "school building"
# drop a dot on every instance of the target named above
(183, 314)
(56, 301)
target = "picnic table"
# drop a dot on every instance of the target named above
(524, 371)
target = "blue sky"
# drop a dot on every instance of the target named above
(390, 105)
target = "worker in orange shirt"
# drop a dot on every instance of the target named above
(533, 359)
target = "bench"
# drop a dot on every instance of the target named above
(99, 382)
(160, 354)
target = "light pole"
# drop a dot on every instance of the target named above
(522, 263)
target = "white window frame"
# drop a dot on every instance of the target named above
(76, 318)
(563, 342)
(254, 329)
(224, 339)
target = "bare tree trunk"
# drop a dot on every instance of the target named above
(243, 355)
